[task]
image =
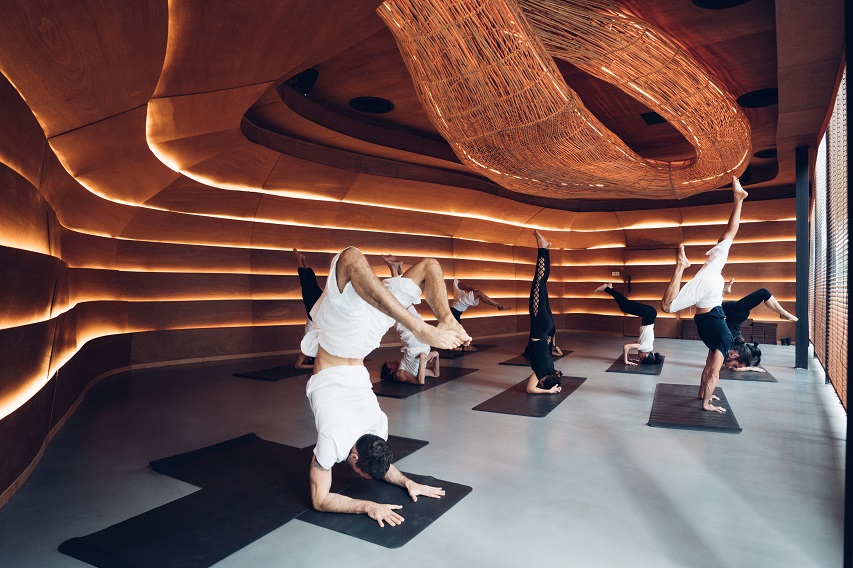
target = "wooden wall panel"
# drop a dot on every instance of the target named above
(26, 352)
(185, 344)
(96, 66)
(23, 143)
(113, 159)
(23, 224)
(96, 357)
(27, 284)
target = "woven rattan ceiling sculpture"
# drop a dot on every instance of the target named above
(485, 73)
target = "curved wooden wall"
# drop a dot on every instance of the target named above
(148, 210)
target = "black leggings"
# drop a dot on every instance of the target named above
(311, 291)
(541, 319)
(738, 312)
(645, 311)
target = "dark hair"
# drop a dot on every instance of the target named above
(651, 359)
(553, 380)
(739, 340)
(749, 355)
(385, 372)
(374, 456)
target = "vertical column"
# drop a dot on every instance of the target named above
(801, 360)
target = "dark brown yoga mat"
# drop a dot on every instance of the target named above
(522, 361)
(765, 377)
(250, 487)
(619, 366)
(516, 400)
(397, 389)
(679, 406)
(417, 515)
(274, 373)
(450, 354)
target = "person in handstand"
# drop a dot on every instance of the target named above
(544, 379)
(353, 314)
(418, 361)
(646, 343)
(705, 291)
(738, 311)
(311, 292)
(464, 297)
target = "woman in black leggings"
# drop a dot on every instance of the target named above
(645, 344)
(737, 312)
(544, 379)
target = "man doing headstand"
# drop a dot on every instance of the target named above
(705, 291)
(350, 318)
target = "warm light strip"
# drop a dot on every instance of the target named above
(491, 88)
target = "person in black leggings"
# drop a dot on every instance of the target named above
(311, 292)
(544, 379)
(646, 343)
(737, 312)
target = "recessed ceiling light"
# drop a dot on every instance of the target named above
(372, 105)
(653, 118)
(759, 98)
(718, 4)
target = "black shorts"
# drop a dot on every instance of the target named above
(713, 330)
(539, 354)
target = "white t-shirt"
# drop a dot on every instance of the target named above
(705, 290)
(413, 348)
(346, 325)
(647, 338)
(463, 300)
(345, 409)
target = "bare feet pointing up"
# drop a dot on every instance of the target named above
(739, 191)
(541, 242)
(681, 257)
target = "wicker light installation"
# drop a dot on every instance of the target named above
(484, 72)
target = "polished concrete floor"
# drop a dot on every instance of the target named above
(589, 485)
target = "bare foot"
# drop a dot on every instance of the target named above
(789, 317)
(393, 263)
(503, 308)
(541, 241)
(451, 324)
(710, 407)
(681, 257)
(440, 338)
(603, 287)
(300, 259)
(739, 191)
(727, 289)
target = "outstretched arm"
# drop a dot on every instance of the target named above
(486, 300)
(325, 501)
(396, 477)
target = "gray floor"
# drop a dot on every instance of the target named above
(589, 485)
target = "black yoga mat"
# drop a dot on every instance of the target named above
(516, 400)
(679, 406)
(275, 373)
(522, 361)
(250, 487)
(450, 354)
(417, 515)
(765, 377)
(619, 366)
(396, 389)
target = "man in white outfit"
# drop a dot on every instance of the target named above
(352, 315)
